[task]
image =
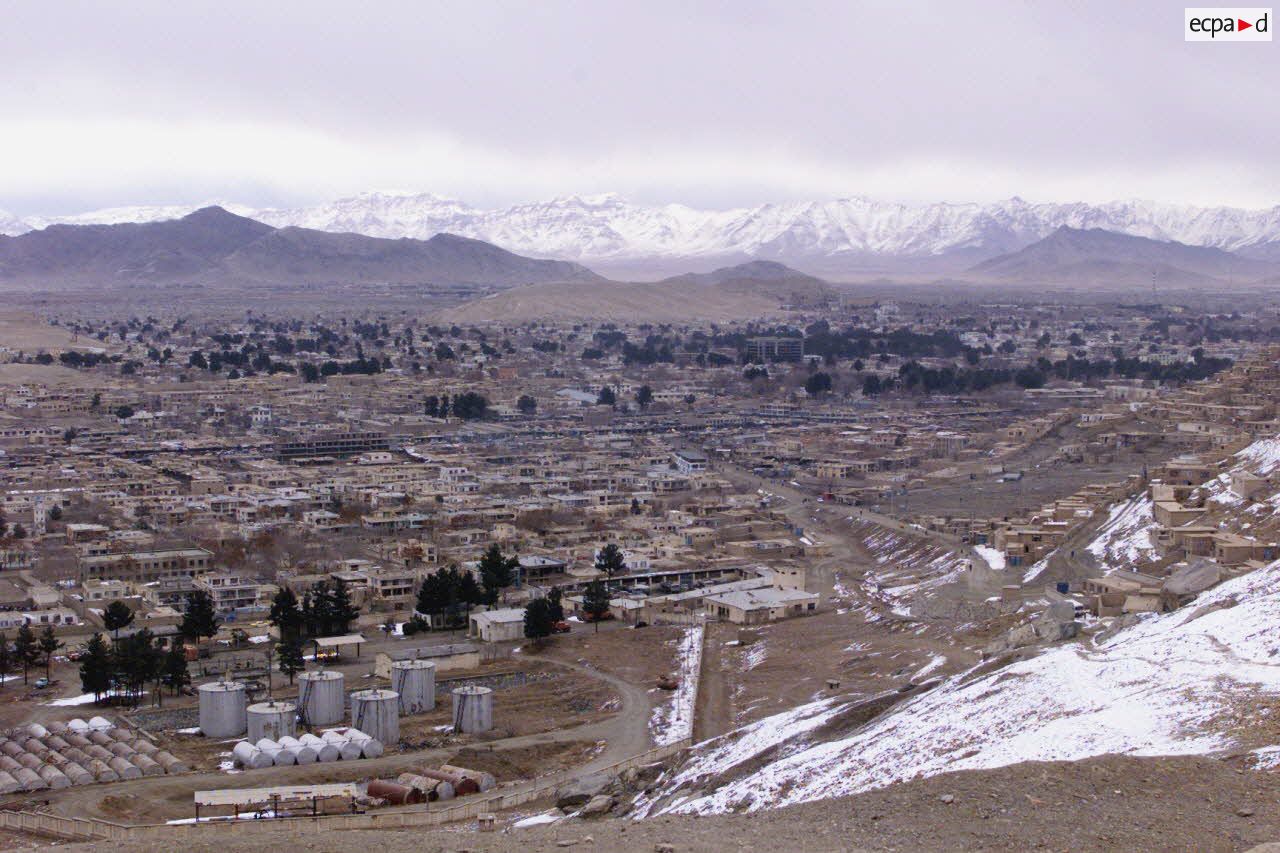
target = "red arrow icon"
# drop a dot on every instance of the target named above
(1243, 24)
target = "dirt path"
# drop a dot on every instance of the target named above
(713, 714)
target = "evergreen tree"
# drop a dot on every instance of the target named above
(537, 620)
(595, 602)
(49, 645)
(291, 659)
(496, 572)
(610, 560)
(555, 599)
(644, 396)
(138, 662)
(321, 609)
(286, 616)
(174, 671)
(527, 405)
(433, 598)
(96, 668)
(342, 611)
(199, 619)
(26, 649)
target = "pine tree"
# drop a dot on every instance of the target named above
(595, 601)
(342, 611)
(496, 572)
(286, 616)
(610, 560)
(199, 619)
(555, 600)
(138, 662)
(26, 649)
(96, 668)
(49, 645)
(537, 620)
(291, 659)
(321, 609)
(174, 672)
(432, 596)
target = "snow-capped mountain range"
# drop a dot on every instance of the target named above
(610, 229)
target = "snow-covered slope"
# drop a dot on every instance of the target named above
(1180, 683)
(608, 227)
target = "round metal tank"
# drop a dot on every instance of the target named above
(57, 727)
(369, 747)
(122, 749)
(56, 743)
(222, 709)
(347, 751)
(101, 724)
(31, 762)
(271, 720)
(146, 747)
(55, 777)
(8, 784)
(102, 772)
(101, 739)
(147, 765)
(8, 763)
(302, 754)
(77, 725)
(249, 756)
(170, 762)
(279, 756)
(77, 774)
(30, 780)
(11, 749)
(123, 768)
(377, 714)
(484, 779)
(472, 709)
(394, 793)
(37, 730)
(78, 741)
(321, 697)
(324, 751)
(98, 752)
(415, 681)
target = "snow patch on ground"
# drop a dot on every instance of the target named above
(994, 558)
(1125, 537)
(1157, 688)
(86, 699)
(674, 721)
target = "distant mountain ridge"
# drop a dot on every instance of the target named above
(214, 245)
(1095, 256)
(843, 234)
(747, 291)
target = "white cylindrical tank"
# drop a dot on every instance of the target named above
(415, 681)
(377, 714)
(302, 754)
(249, 756)
(271, 720)
(324, 750)
(101, 724)
(279, 756)
(77, 725)
(37, 730)
(321, 697)
(472, 709)
(347, 751)
(369, 747)
(222, 709)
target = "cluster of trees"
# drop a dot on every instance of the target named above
(124, 668)
(467, 406)
(449, 594)
(28, 651)
(325, 611)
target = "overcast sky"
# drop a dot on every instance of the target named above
(707, 103)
